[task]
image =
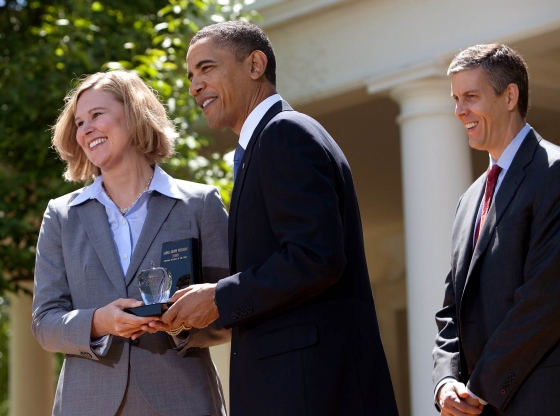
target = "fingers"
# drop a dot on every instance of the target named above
(452, 404)
(127, 303)
(137, 334)
(170, 315)
(195, 308)
(111, 319)
(177, 295)
(463, 393)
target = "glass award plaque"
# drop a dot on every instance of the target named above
(180, 267)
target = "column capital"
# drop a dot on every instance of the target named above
(429, 96)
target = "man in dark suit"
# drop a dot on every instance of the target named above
(499, 328)
(305, 337)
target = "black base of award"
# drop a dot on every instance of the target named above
(182, 259)
(155, 309)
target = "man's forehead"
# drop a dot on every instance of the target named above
(469, 78)
(207, 46)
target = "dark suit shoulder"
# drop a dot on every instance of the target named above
(552, 151)
(295, 121)
(289, 130)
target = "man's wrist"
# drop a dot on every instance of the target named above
(474, 396)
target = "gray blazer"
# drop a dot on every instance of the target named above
(77, 271)
(499, 328)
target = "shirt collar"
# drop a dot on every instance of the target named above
(161, 182)
(509, 153)
(255, 117)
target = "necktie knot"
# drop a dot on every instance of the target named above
(493, 175)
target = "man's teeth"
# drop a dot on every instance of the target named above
(471, 125)
(208, 101)
(97, 141)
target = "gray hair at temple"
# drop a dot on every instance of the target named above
(501, 64)
(242, 39)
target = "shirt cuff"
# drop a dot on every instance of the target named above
(100, 346)
(443, 381)
(474, 396)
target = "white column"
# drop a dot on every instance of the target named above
(31, 377)
(436, 172)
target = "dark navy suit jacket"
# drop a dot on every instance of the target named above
(305, 337)
(499, 328)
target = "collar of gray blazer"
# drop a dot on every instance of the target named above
(94, 219)
(510, 184)
(161, 182)
(273, 111)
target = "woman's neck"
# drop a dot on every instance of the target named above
(126, 184)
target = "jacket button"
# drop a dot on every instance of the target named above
(503, 391)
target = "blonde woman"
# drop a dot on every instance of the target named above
(92, 243)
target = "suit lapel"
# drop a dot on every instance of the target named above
(508, 188)
(466, 228)
(240, 179)
(158, 210)
(94, 219)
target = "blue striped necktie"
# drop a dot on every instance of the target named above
(237, 157)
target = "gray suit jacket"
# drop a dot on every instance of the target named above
(499, 328)
(77, 271)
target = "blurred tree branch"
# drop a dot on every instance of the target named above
(45, 46)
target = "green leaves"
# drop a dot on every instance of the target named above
(46, 45)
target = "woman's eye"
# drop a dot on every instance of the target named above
(79, 123)
(96, 114)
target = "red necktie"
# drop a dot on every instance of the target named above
(491, 180)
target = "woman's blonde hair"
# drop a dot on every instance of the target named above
(151, 132)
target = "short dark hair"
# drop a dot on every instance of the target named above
(242, 39)
(501, 64)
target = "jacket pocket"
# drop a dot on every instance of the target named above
(286, 339)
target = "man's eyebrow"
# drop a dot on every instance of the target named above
(203, 62)
(465, 92)
(198, 65)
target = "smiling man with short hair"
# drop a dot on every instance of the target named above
(497, 350)
(305, 339)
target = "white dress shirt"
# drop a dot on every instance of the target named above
(254, 119)
(504, 162)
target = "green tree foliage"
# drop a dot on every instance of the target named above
(44, 47)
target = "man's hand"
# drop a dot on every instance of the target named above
(111, 319)
(454, 400)
(193, 307)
